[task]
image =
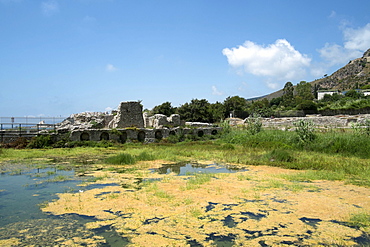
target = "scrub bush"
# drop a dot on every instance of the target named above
(305, 130)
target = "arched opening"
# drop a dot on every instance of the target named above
(214, 132)
(141, 136)
(172, 133)
(104, 136)
(200, 133)
(158, 135)
(123, 137)
(85, 136)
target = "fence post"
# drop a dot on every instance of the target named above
(20, 129)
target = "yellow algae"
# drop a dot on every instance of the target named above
(9, 242)
(245, 208)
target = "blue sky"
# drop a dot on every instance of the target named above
(60, 57)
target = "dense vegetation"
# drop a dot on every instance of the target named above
(299, 99)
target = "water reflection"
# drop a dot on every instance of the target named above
(182, 169)
(22, 192)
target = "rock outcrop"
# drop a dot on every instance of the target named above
(85, 120)
(353, 75)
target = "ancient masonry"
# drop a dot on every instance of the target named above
(129, 124)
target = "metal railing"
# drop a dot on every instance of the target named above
(16, 130)
(32, 120)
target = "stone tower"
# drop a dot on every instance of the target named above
(129, 114)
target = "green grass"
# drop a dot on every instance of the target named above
(360, 220)
(333, 155)
(196, 180)
(121, 159)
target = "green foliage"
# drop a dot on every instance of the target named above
(165, 109)
(217, 112)
(236, 105)
(280, 155)
(198, 179)
(41, 141)
(307, 105)
(360, 220)
(305, 130)
(128, 159)
(288, 98)
(115, 132)
(225, 125)
(195, 111)
(145, 156)
(304, 91)
(354, 94)
(254, 124)
(121, 159)
(362, 128)
(101, 144)
(261, 108)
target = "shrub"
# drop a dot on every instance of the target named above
(254, 124)
(305, 130)
(362, 128)
(41, 141)
(225, 125)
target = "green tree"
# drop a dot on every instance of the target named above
(304, 91)
(288, 97)
(217, 112)
(261, 108)
(235, 105)
(353, 94)
(165, 109)
(195, 111)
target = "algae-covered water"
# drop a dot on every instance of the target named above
(177, 205)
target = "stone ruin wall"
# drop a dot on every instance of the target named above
(325, 122)
(129, 114)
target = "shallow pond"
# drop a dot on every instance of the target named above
(176, 205)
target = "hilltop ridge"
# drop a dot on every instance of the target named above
(355, 74)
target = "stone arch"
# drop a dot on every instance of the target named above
(200, 133)
(123, 137)
(214, 132)
(141, 136)
(84, 136)
(158, 135)
(104, 136)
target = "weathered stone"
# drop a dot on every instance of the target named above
(175, 120)
(160, 121)
(85, 120)
(129, 115)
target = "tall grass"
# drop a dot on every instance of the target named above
(128, 159)
(347, 144)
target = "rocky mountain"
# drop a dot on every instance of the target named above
(355, 74)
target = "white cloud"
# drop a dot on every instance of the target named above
(357, 39)
(215, 91)
(49, 7)
(356, 42)
(110, 68)
(278, 61)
